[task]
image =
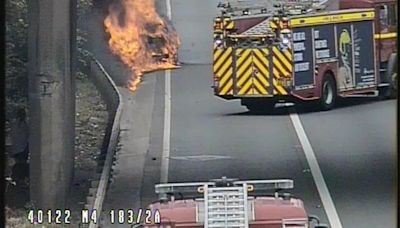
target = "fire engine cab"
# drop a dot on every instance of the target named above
(226, 202)
(300, 52)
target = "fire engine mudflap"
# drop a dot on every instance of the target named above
(262, 58)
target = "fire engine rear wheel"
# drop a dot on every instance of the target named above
(328, 93)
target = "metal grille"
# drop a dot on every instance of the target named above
(226, 207)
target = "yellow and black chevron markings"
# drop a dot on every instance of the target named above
(257, 71)
(282, 68)
(228, 24)
(223, 70)
(252, 75)
(276, 23)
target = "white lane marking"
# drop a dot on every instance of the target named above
(167, 116)
(169, 9)
(323, 191)
(167, 128)
(200, 158)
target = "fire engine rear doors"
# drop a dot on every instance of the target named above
(251, 74)
(261, 71)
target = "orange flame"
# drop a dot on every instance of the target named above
(141, 38)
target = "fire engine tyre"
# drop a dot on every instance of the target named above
(328, 93)
(391, 91)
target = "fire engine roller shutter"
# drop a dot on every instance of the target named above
(223, 70)
(252, 71)
(258, 71)
(282, 68)
(261, 78)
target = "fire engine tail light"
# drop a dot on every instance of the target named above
(215, 85)
(285, 23)
(217, 26)
(285, 41)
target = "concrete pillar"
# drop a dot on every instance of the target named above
(51, 101)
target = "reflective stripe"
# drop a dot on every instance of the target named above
(385, 35)
(329, 19)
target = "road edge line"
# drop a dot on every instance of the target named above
(112, 144)
(319, 181)
(167, 115)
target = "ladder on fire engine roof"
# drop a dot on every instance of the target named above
(262, 28)
(253, 7)
(224, 206)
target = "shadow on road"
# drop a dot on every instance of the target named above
(278, 111)
(306, 108)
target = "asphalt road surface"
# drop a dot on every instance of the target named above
(343, 162)
(354, 145)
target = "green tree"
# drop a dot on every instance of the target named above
(17, 52)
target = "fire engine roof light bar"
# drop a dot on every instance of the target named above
(238, 36)
(180, 187)
(244, 7)
(268, 184)
(297, 7)
(193, 187)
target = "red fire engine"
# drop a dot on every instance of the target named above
(299, 53)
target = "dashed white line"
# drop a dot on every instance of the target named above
(169, 9)
(323, 191)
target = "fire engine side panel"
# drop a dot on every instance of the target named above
(341, 43)
(364, 57)
(356, 58)
(324, 43)
(345, 76)
(303, 58)
(325, 54)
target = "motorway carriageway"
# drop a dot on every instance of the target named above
(343, 162)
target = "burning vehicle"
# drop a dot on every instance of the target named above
(141, 38)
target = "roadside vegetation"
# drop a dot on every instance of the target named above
(90, 120)
(17, 52)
